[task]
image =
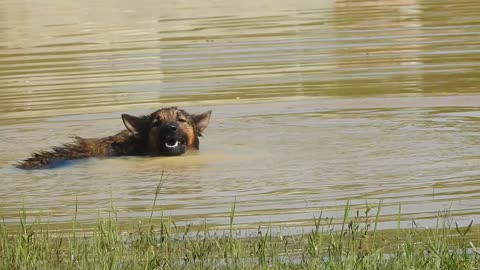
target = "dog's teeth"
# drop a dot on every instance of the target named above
(171, 145)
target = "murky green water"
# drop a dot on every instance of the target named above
(314, 103)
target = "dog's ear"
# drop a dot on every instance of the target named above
(201, 120)
(132, 123)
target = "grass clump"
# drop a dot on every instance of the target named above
(355, 243)
(158, 243)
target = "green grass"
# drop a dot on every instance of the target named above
(160, 244)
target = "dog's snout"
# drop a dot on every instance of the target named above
(172, 127)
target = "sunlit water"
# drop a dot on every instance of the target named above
(315, 103)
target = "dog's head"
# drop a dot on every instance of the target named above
(168, 131)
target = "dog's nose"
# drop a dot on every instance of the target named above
(172, 127)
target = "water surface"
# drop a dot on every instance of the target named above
(314, 103)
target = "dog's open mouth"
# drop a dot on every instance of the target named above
(172, 143)
(174, 146)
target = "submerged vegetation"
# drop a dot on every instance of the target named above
(355, 243)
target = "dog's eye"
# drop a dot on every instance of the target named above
(182, 119)
(155, 123)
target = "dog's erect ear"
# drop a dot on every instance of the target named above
(132, 123)
(201, 120)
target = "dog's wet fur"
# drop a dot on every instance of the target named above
(166, 132)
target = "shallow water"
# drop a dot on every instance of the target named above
(314, 103)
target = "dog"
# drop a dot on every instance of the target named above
(165, 132)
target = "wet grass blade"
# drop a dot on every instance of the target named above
(161, 182)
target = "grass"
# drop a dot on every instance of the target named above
(162, 245)
(355, 243)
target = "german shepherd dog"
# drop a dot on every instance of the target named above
(166, 132)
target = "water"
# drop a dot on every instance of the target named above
(314, 103)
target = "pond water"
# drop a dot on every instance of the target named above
(315, 103)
